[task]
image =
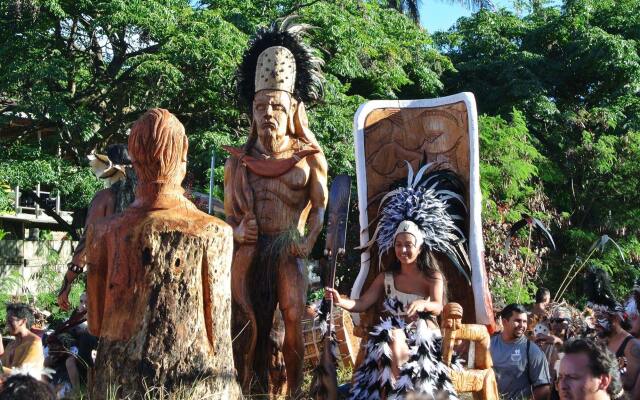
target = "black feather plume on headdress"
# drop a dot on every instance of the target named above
(597, 287)
(286, 33)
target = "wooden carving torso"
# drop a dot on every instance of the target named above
(282, 203)
(132, 247)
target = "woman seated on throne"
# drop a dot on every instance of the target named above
(403, 353)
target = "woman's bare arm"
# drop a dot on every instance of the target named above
(369, 298)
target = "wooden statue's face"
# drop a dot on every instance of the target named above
(271, 110)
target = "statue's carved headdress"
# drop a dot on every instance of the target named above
(278, 58)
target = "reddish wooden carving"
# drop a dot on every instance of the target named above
(159, 280)
(480, 380)
(275, 197)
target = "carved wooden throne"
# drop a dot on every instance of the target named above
(443, 131)
(480, 379)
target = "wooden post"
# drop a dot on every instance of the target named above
(37, 206)
(17, 205)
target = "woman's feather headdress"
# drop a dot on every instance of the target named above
(434, 201)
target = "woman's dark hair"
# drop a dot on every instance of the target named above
(21, 311)
(541, 293)
(601, 362)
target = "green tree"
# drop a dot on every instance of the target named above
(574, 72)
(91, 68)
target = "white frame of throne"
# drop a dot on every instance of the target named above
(476, 245)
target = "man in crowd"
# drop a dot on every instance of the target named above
(588, 371)
(521, 368)
(611, 325)
(26, 350)
(559, 332)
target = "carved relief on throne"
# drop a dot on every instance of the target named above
(442, 131)
(436, 135)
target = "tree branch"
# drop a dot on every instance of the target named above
(301, 6)
(147, 50)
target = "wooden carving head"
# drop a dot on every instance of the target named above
(158, 147)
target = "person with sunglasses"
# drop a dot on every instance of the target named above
(551, 343)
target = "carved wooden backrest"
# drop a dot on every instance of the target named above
(443, 131)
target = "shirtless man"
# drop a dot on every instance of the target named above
(275, 198)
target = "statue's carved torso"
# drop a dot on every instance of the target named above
(281, 203)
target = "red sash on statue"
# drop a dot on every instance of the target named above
(269, 167)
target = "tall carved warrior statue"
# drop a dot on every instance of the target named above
(275, 194)
(159, 280)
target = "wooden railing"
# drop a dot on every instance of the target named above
(36, 209)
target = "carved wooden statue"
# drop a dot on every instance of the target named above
(159, 280)
(275, 197)
(441, 131)
(479, 380)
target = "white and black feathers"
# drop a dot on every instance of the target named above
(423, 375)
(286, 33)
(433, 200)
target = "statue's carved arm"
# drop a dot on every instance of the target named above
(102, 205)
(243, 222)
(318, 196)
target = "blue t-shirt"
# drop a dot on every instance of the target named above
(510, 365)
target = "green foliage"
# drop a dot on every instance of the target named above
(573, 72)
(26, 165)
(183, 58)
(508, 163)
(513, 289)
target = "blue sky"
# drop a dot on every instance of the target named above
(439, 15)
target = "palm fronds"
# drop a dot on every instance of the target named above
(599, 245)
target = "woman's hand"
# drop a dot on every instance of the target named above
(416, 307)
(332, 294)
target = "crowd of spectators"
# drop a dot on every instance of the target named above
(49, 364)
(554, 351)
(547, 351)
